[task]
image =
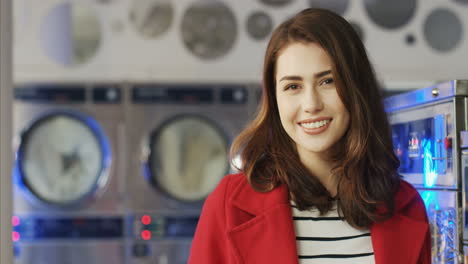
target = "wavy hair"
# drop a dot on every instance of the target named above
(366, 170)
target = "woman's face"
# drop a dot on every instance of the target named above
(311, 111)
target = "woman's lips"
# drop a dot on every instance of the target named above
(315, 131)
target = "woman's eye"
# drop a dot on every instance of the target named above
(291, 87)
(328, 81)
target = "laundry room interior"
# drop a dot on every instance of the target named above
(117, 117)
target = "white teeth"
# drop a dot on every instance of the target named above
(316, 124)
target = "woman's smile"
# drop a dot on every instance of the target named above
(316, 127)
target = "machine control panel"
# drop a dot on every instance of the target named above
(234, 95)
(198, 94)
(40, 228)
(172, 94)
(149, 227)
(43, 93)
(107, 94)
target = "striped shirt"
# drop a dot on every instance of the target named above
(328, 239)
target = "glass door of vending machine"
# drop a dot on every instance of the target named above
(426, 162)
(464, 171)
(6, 91)
(425, 128)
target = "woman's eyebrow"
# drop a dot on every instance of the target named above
(321, 74)
(299, 78)
(291, 78)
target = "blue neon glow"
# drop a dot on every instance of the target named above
(430, 200)
(429, 170)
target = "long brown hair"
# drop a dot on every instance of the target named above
(367, 167)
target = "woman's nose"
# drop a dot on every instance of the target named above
(312, 101)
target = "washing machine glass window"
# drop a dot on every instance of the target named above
(63, 158)
(189, 155)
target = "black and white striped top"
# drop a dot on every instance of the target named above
(328, 239)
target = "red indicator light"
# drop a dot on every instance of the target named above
(448, 143)
(15, 236)
(146, 219)
(146, 234)
(15, 221)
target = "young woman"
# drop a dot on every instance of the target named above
(319, 181)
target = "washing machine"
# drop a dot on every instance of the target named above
(179, 146)
(68, 196)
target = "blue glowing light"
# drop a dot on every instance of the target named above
(430, 200)
(430, 176)
(429, 170)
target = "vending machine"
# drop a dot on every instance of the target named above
(428, 127)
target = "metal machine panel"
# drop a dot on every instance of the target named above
(88, 227)
(66, 252)
(427, 95)
(427, 129)
(180, 136)
(442, 210)
(422, 139)
(464, 169)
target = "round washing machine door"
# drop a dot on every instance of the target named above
(188, 158)
(63, 158)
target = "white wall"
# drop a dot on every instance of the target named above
(126, 56)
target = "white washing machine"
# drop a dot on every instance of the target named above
(178, 152)
(68, 191)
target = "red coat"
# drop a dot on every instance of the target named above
(241, 226)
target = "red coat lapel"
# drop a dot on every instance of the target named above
(265, 232)
(267, 238)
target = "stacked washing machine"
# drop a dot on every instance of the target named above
(69, 187)
(179, 138)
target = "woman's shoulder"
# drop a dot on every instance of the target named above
(235, 179)
(405, 191)
(227, 185)
(232, 181)
(408, 201)
(235, 189)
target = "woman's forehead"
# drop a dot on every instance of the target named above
(302, 59)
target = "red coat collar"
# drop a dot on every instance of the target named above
(269, 237)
